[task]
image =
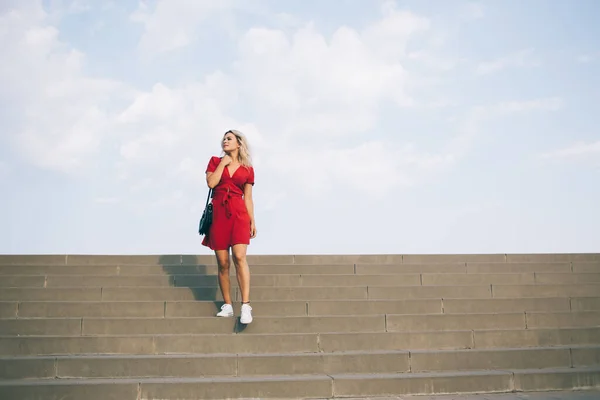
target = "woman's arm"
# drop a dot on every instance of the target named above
(250, 207)
(213, 178)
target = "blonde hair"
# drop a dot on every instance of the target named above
(244, 156)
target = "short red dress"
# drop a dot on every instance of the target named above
(231, 221)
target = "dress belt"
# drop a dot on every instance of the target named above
(227, 195)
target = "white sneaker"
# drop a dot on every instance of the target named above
(226, 311)
(246, 316)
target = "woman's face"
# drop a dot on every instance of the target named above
(230, 142)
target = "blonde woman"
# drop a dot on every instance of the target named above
(232, 177)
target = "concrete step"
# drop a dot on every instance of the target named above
(478, 267)
(465, 382)
(124, 260)
(203, 325)
(573, 394)
(284, 259)
(484, 291)
(115, 270)
(586, 267)
(519, 267)
(567, 278)
(555, 267)
(294, 269)
(293, 280)
(201, 365)
(325, 326)
(156, 309)
(304, 386)
(585, 303)
(288, 280)
(551, 290)
(8, 309)
(288, 293)
(240, 342)
(298, 324)
(51, 294)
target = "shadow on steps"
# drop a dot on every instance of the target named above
(200, 278)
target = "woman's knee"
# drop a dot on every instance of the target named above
(223, 261)
(239, 259)
(239, 256)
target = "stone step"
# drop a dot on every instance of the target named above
(168, 270)
(261, 280)
(169, 259)
(325, 326)
(297, 324)
(314, 280)
(311, 280)
(202, 325)
(156, 309)
(550, 290)
(585, 303)
(586, 267)
(9, 309)
(567, 278)
(129, 343)
(294, 269)
(304, 386)
(472, 267)
(66, 259)
(573, 394)
(288, 293)
(481, 291)
(201, 365)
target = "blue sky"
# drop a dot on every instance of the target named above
(376, 126)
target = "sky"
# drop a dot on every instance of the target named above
(375, 126)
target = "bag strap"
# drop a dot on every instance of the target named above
(208, 197)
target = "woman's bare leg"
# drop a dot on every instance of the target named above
(224, 284)
(242, 270)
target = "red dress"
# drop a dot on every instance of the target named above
(231, 221)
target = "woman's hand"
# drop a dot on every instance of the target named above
(252, 229)
(226, 160)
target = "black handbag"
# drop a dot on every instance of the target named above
(206, 218)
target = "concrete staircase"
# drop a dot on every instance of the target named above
(142, 327)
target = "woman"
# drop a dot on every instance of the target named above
(232, 177)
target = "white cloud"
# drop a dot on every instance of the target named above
(171, 132)
(330, 85)
(505, 108)
(70, 6)
(476, 120)
(107, 200)
(309, 92)
(576, 150)
(542, 104)
(322, 86)
(322, 91)
(160, 104)
(62, 115)
(472, 11)
(174, 24)
(434, 61)
(373, 167)
(388, 38)
(379, 113)
(521, 59)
